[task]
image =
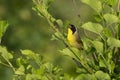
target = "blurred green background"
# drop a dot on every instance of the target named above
(29, 31)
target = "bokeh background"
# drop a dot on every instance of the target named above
(29, 31)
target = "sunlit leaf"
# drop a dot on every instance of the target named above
(98, 46)
(110, 18)
(85, 77)
(102, 76)
(93, 27)
(110, 55)
(41, 7)
(3, 27)
(20, 70)
(112, 2)
(113, 42)
(81, 70)
(67, 77)
(20, 61)
(97, 18)
(102, 63)
(107, 32)
(95, 4)
(5, 54)
(72, 53)
(44, 2)
(33, 76)
(39, 71)
(86, 43)
(57, 69)
(59, 22)
(67, 52)
(30, 76)
(27, 52)
(34, 58)
(111, 64)
(56, 36)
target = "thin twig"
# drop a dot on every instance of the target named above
(5, 64)
(76, 8)
(9, 64)
(118, 6)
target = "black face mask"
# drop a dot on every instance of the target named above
(73, 28)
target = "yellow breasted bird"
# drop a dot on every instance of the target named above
(73, 37)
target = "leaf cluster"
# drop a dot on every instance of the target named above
(100, 55)
(98, 60)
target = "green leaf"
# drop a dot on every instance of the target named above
(113, 42)
(98, 46)
(3, 27)
(20, 61)
(70, 53)
(102, 63)
(5, 54)
(85, 77)
(67, 52)
(20, 70)
(81, 70)
(43, 3)
(66, 77)
(39, 71)
(111, 64)
(41, 7)
(102, 76)
(107, 32)
(33, 58)
(47, 2)
(57, 36)
(59, 22)
(49, 67)
(110, 18)
(95, 4)
(31, 54)
(27, 52)
(112, 2)
(97, 18)
(110, 55)
(54, 37)
(33, 77)
(86, 43)
(93, 27)
(30, 77)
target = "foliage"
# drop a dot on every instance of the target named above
(99, 59)
(99, 55)
(29, 65)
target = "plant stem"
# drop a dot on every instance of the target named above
(51, 20)
(104, 60)
(5, 64)
(84, 64)
(86, 67)
(10, 65)
(118, 6)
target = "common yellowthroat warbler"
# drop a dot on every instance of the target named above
(73, 37)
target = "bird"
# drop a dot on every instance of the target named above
(73, 37)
